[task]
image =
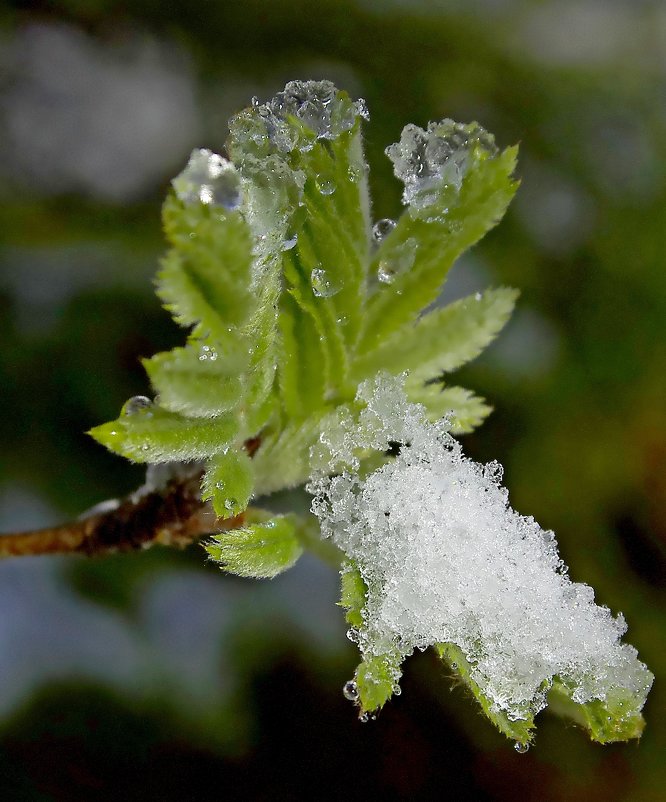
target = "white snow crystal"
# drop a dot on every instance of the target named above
(446, 559)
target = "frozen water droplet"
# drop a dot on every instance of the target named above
(478, 296)
(382, 228)
(208, 178)
(352, 635)
(521, 748)
(322, 286)
(230, 504)
(454, 666)
(136, 404)
(289, 242)
(219, 485)
(428, 161)
(364, 718)
(493, 471)
(350, 691)
(398, 261)
(354, 174)
(326, 186)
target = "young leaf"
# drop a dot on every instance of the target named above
(442, 340)
(153, 434)
(228, 482)
(302, 370)
(416, 256)
(261, 550)
(376, 678)
(519, 730)
(205, 279)
(465, 410)
(617, 719)
(196, 380)
(353, 593)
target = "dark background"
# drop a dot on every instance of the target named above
(153, 676)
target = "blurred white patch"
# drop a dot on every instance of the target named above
(107, 119)
(582, 32)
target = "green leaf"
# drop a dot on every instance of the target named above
(228, 482)
(442, 340)
(205, 278)
(617, 719)
(283, 458)
(376, 679)
(519, 731)
(466, 410)
(353, 594)
(261, 550)
(425, 248)
(302, 370)
(156, 435)
(197, 380)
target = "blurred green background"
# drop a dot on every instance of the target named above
(153, 676)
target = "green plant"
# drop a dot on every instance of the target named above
(310, 359)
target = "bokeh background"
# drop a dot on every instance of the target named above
(153, 676)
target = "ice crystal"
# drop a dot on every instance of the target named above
(210, 179)
(447, 560)
(424, 160)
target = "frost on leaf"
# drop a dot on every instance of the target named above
(446, 560)
(427, 160)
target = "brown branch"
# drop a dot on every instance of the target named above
(171, 516)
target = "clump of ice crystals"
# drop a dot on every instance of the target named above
(447, 560)
(317, 105)
(425, 161)
(208, 178)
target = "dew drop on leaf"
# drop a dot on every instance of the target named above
(325, 185)
(350, 691)
(521, 748)
(230, 504)
(322, 286)
(136, 404)
(399, 261)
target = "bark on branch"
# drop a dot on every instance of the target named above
(173, 515)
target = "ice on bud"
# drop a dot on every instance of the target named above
(445, 559)
(295, 118)
(208, 178)
(428, 160)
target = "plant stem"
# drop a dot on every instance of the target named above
(169, 516)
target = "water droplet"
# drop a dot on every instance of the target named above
(219, 485)
(478, 296)
(398, 261)
(521, 748)
(364, 718)
(352, 635)
(230, 504)
(208, 178)
(350, 690)
(382, 228)
(289, 242)
(136, 404)
(325, 185)
(397, 690)
(454, 666)
(322, 286)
